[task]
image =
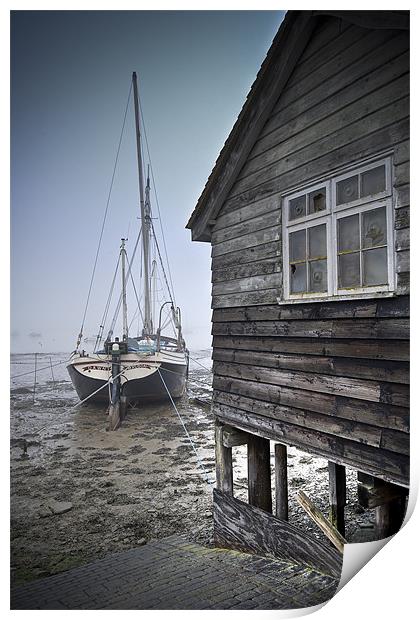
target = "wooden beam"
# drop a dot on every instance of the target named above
(280, 461)
(224, 470)
(373, 492)
(238, 525)
(389, 517)
(234, 437)
(337, 488)
(259, 473)
(316, 515)
(383, 463)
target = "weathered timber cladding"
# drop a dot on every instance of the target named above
(246, 528)
(346, 99)
(309, 375)
(329, 377)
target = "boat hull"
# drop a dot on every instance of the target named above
(141, 380)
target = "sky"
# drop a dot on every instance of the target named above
(70, 80)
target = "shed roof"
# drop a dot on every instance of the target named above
(288, 44)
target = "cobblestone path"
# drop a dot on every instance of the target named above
(175, 574)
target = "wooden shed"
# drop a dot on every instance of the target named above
(307, 212)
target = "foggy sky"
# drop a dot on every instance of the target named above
(70, 78)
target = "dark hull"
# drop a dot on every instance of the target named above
(146, 389)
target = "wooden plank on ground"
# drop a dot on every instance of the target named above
(316, 515)
(246, 528)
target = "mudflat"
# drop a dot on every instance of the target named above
(79, 492)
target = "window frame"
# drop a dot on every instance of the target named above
(330, 217)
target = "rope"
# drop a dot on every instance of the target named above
(117, 310)
(206, 476)
(157, 202)
(202, 365)
(103, 221)
(171, 296)
(107, 305)
(31, 372)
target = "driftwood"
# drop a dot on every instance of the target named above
(316, 515)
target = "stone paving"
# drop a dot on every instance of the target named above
(176, 574)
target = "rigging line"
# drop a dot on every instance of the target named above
(104, 218)
(202, 365)
(171, 296)
(137, 297)
(157, 201)
(107, 305)
(206, 475)
(117, 310)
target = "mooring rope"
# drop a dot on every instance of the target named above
(206, 475)
(31, 372)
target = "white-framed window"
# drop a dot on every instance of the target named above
(338, 235)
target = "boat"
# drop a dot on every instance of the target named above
(150, 365)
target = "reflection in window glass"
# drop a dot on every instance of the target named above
(318, 276)
(298, 278)
(317, 241)
(297, 245)
(373, 181)
(349, 270)
(374, 228)
(348, 190)
(375, 267)
(348, 233)
(297, 207)
(317, 201)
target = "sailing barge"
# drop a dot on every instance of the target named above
(152, 365)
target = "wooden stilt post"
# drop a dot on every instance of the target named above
(280, 461)
(337, 486)
(389, 517)
(224, 471)
(259, 473)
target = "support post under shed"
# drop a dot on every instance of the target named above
(259, 473)
(337, 487)
(280, 466)
(224, 470)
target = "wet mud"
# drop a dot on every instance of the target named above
(79, 492)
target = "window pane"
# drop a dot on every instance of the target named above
(297, 207)
(375, 267)
(318, 276)
(297, 245)
(317, 241)
(373, 181)
(317, 201)
(298, 278)
(348, 190)
(374, 227)
(349, 270)
(348, 233)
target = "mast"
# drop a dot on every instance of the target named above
(145, 218)
(124, 292)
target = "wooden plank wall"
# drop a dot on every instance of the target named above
(346, 100)
(329, 377)
(243, 527)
